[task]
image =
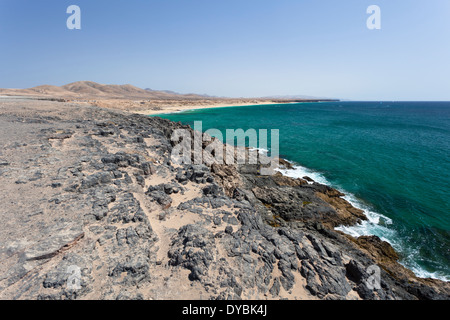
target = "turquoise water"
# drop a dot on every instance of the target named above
(391, 158)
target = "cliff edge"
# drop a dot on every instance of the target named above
(93, 208)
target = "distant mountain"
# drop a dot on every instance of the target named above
(96, 89)
(177, 93)
(89, 90)
(166, 91)
(93, 90)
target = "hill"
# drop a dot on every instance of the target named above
(93, 90)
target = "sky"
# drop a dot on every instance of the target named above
(234, 48)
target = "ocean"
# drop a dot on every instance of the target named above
(391, 159)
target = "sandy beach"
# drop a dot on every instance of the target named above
(183, 107)
(136, 100)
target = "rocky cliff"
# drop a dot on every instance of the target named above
(93, 208)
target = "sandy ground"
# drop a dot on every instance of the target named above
(154, 107)
(43, 142)
(182, 108)
(133, 99)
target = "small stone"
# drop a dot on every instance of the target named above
(217, 221)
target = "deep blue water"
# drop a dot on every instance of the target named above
(390, 158)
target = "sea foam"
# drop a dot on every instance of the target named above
(376, 223)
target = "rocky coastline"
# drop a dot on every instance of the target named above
(94, 190)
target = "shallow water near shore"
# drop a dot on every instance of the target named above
(392, 159)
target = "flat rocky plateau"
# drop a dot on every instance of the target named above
(93, 208)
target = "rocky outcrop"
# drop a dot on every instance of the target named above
(101, 212)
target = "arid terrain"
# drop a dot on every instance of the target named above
(133, 99)
(94, 208)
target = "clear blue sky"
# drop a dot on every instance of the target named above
(233, 47)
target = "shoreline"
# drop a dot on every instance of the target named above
(184, 108)
(131, 217)
(358, 230)
(368, 227)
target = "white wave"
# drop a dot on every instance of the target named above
(300, 172)
(419, 272)
(376, 223)
(260, 150)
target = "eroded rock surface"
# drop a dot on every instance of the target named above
(93, 208)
